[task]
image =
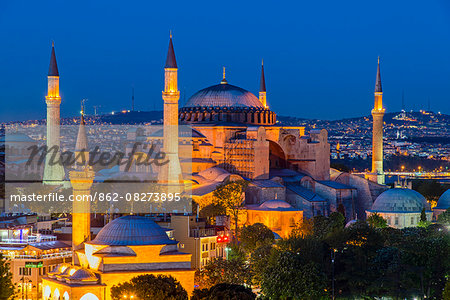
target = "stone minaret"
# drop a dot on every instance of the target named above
(262, 87)
(53, 171)
(171, 172)
(81, 180)
(377, 133)
(81, 146)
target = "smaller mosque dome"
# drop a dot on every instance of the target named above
(444, 201)
(132, 231)
(81, 275)
(275, 204)
(400, 200)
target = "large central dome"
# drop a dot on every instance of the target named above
(132, 231)
(224, 95)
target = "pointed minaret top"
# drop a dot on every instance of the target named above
(171, 61)
(81, 143)
(378, 88)
(262, 87)
(53, 68)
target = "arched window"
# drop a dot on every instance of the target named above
(56, 295)
(66, 296)
(89, 296)
(47, 292)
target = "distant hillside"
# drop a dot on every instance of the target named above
(140, 117)
(132, 117)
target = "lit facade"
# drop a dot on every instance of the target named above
(31, 256)
(202, 241)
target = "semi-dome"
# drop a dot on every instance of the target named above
(444, 201)
(400, 200)
(224, 95)
(275, 204)
(132, 231)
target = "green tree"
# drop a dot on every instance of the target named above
(356, 246)
(303, 228)
(219, 270)
(224, 291)
(258, 262)
(255, 236)
(6, 285)
(231, 196)
(423, 215)
(289, 276)
(444, 218)
(150, 287)
(212, 210)
(425, 259)
(324, 227)
(446, 292)
(377, 221)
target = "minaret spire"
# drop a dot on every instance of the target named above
(377, 173)
(171, 61)
(378, 88)
(53, 172)
(170, 174)
(53, 67)
(262, 87)
(81, 146)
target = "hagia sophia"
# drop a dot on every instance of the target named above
(235, 136)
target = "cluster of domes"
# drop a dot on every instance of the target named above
(73, 274)
(400, 200)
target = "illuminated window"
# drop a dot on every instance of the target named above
(47, 292)
(56, 294)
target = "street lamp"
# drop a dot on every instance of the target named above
(333, 257)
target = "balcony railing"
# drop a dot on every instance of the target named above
(29, 239)
(202, 232)
(62, 254)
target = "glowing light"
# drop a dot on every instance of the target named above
(72, 271)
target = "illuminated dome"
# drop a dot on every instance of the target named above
(132, 231)
(224, 95)
(275, 204)
(400, 200)
(226, 103)
(444, 201)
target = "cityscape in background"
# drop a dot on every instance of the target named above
(218, 195)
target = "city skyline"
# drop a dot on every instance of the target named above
(301, 64)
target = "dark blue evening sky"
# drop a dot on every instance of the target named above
(320, 56)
